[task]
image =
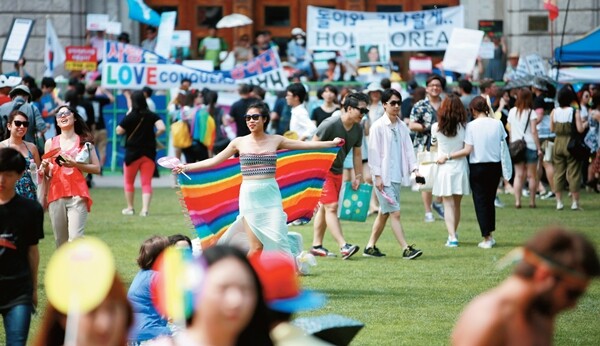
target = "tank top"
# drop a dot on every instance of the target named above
(258, 164)
(67, 181)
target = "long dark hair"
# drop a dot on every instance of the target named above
(138, 102)
(257, 330)
(450, 115)
(80, 127)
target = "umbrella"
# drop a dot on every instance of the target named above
(233, 20)
(336, 329)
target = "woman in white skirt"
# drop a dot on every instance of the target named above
(262, 218)
(452, 179)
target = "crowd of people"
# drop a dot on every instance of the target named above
(53, 143)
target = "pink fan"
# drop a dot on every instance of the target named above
(171, 162)
(388, 198)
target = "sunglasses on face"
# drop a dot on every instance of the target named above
(19, 123)
(393, 103)
(362, 110)
(63, 114)
(252, 116)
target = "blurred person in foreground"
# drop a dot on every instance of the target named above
(554, 272)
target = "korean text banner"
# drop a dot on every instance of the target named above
(130, 67)
(331, 29)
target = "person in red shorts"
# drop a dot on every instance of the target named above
(346, 126)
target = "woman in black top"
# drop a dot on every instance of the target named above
(329, 95)
(140, 149)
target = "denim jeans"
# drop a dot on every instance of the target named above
(16, 324)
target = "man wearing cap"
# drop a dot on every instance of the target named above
(297, 53)
(555, 270)
(284, 297)
(20, 96)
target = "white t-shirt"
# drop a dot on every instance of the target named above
(485, 134)
(518, 123)
(301, 123)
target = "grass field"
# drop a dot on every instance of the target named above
(400, 302)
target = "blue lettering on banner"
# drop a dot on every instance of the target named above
(163, 77)
(124, 75)
(139, 74)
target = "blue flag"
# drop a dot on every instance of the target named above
(139, 11)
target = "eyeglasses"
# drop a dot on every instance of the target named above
(435, 85)
(393, 103)
(19, 123)
(252, 116)
(63, 114)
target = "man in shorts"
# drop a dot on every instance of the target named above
(555, 270)
(392, 161)
(346, 126)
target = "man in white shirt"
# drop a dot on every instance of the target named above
(300, 122)
(392, 160)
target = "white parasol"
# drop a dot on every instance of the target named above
(233, 20)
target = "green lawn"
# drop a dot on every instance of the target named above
(400, 302)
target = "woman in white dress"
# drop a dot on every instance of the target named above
(452, 179)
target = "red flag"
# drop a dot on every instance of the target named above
(552, 8)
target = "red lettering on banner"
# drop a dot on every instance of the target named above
(152, 75)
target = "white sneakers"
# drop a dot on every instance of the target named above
(487, 244)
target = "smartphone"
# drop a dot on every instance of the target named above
(420, 180)
(60, 160)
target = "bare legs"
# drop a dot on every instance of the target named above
(327, 216)
(452, 214)
(379, 225)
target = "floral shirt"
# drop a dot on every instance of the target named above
(424, 114)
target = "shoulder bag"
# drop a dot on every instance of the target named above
(576, 146)
(518, 148)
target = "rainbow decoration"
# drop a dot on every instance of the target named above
(211, 196)
(205, 128)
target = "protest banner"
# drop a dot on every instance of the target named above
(462, 50)
(81, 58)
(130, 67)
(15, 44)
(332, 29)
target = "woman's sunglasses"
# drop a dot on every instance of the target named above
(252, 116)
(19, 123)
(63, 114)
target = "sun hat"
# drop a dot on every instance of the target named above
(22, 88)
(298, 31)
(281, 287)
(3, 81)
(374, 86)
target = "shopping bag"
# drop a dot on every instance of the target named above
(427, 169)
(354, 204)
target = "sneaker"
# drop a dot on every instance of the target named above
(498, 203)
(128, 211)
(411, 253)
(429, 217)
(321, 251)
(548, 195)
(452, 242)
(439, 208)
(348, 250)
(559, 205)
(144, 213)
(373, 252)
(487, 244)
(298, 223)
(575, 206)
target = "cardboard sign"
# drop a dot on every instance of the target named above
(114, 28)
(15, 44)
(462, 50)
(96, 22)
(81, 58)
(420, 64)
(181, 38)
(486, 51)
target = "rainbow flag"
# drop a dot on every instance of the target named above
(205, 128)
(211, 196)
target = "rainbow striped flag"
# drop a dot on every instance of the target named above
(211, 196)
(205, 129)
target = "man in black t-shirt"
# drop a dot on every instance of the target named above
(21, 227)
